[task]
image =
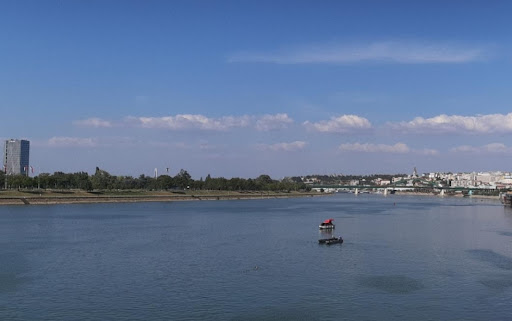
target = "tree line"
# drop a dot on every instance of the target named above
(102, 180)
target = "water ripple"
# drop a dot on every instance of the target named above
(397, 284)
(501, 284)
(9, 282)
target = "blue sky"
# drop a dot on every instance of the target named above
(242, 88)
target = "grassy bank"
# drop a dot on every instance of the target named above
(38, 197)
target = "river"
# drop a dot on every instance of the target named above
(404, 258)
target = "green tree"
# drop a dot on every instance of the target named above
(101, 179)
(208, 183)
(19, 181)
(263, 182)
(164, 182)
(183, 179)
(143, 182)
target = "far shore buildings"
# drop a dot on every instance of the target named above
(492, 180)
(16, 157)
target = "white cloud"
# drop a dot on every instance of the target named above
(188, 121)
(489, 148)
(71, 142)
(481, 124)
(165, 144)
(427, 152)
(341, 124)
(273, 122)
(497, 148)
(465, 149)
(93, 122)
(390, 51)
(399, 148)
(266, 122)
(284, 147)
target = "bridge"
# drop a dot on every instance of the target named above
(425, 189)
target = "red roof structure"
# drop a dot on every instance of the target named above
(328, 221)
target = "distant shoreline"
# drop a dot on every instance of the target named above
(456, 195)
(80, 198)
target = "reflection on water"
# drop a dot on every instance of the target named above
(325, 234)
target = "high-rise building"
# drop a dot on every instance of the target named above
(16, 157)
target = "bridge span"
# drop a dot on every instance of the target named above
(425, 189)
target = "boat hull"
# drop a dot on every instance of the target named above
(332, 240)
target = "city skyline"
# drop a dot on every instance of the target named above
(242, 89)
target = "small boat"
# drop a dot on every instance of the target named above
(332, 240)
(327, 225)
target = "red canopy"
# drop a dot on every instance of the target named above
(329, 221)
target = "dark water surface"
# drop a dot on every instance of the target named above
(409, 258)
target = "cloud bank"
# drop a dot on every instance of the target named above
(190, 121)
(273, 122)
(200, 122)
(375, 148)
(441, 124)
(93, 122)
(398, 148)
(341, 124)
(479, 124)
(389, 51)
(284, 147)
(71, 142)
(489, 148)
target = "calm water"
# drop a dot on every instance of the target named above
(410, 258)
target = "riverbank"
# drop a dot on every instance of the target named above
(52, 197)
(82, 197)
